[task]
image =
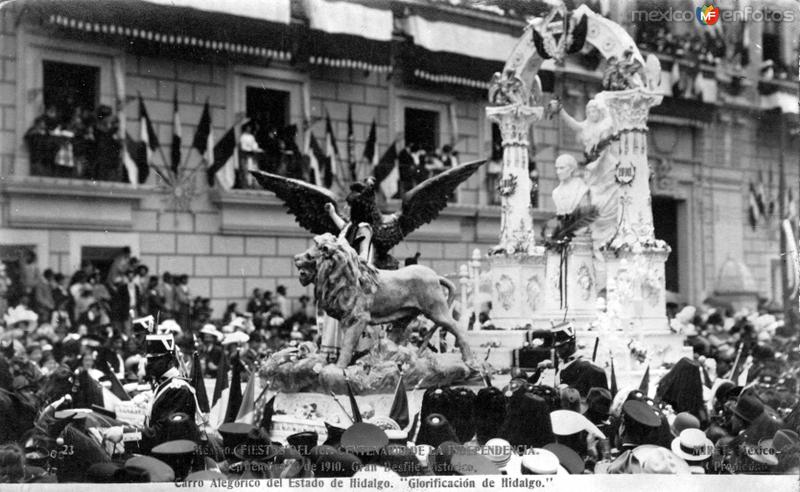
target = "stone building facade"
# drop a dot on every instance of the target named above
(704, 155)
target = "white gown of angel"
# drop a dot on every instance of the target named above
(604, 190)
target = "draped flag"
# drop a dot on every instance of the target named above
(351, 144)
(613, 388)
(316, 156)
(198, 384)
(203, 138)
(131, 167)
(386, 172)
(791, 259)
(146, 132)
(175, 149)
(644, 386)
(370, 158)
(226, 158)
(399, 410)
(235, 392)
(752, 209)
(116, 386)
(761, 200)
(135, 160)
(247, 409)
(266, 414)
(338, 178)
(222, 377)
(353, 404)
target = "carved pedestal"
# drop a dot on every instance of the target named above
(518, 289)
(571, 286)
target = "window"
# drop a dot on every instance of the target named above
(422, 129)
(69, 88)
(771, 43)
(272, 102)
(66, 96)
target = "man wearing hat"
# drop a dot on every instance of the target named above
(171, 392)
(639, 425)
(211, 351)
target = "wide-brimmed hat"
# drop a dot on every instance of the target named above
(303, 442)
(170, 326)
(500, 453)
(748, 408)
(212, 330)
(236, 337)
(152, 468)
(568, 422)
(683, 421)
(692, 445)
(641, 413)
(567, 457)
(178, 454)
(364, 440)
(658, 460)
(20, 314)
(538, 461)
(233, 434)
(598, 403)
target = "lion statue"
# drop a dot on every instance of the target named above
(357, 294)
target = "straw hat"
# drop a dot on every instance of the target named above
(692, 445)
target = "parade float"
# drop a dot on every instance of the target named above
(597, 275)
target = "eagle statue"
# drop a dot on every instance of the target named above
(420, 205)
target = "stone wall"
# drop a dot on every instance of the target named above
(227, 261)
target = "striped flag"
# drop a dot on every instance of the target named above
(131, 168)
(235, 392)
(176, 135)
(399, 409)
(247, 410)
(316, 156)
(146, 132)
(387, 173)
(226, 158)
(752, 209)
(203, 137)
(370, 158)
(351, 144)
(338, 177)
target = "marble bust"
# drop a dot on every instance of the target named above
(571, 189)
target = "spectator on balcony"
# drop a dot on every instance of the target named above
(107, 164)
(251, 153)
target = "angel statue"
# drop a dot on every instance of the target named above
(375, 233)
(596, 133)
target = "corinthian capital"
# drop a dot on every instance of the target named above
(514, 121)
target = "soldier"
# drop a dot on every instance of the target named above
(171, 392)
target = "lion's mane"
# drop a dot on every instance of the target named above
(345, 282)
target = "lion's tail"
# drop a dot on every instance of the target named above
(451, 289)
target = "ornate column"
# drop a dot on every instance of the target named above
(516, 227)
(629, 110)
(634, 258)
(516, 264)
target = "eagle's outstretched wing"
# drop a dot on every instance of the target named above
(422, 204)
(303, 200)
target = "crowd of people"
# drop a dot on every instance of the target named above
(83, 144)
(731, 408)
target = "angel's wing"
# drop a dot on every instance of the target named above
(303, 200)
(422, 204)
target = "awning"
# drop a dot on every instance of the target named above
(465, 53)
(350, 34)
(250, 28)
